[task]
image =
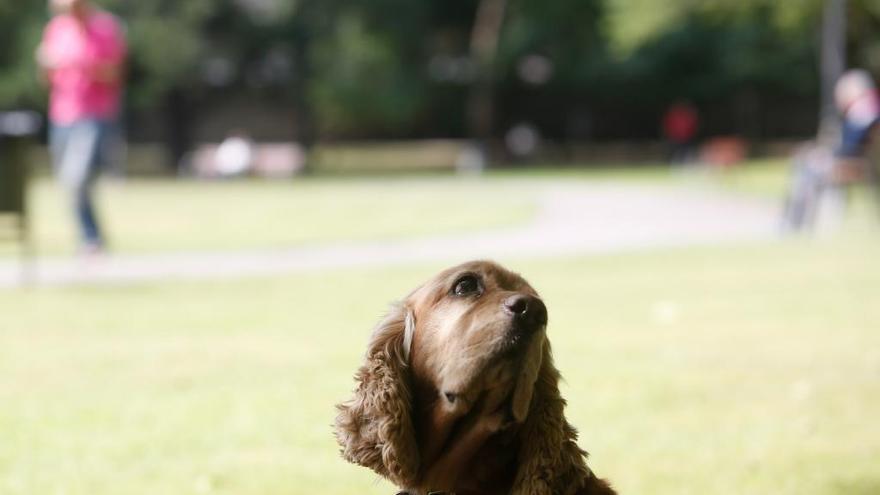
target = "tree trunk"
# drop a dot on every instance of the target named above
(832, 62)
(484, 45)
(306, 127)
(178, 121)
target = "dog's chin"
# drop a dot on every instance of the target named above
(504, 385)
(515, 343)
(512, 344)
(503, 378)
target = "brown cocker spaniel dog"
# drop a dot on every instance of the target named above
(459, 394)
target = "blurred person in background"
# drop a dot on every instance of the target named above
(82, 56)
(680, 125)
(821, 174)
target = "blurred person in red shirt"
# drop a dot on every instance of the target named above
(680, 126)
(82, 55)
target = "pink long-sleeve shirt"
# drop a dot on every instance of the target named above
(77, 52)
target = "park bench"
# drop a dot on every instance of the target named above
(279, 160)
(271, 160)
(824, 203)
(861, 171)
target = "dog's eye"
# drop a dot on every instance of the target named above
(466, 286)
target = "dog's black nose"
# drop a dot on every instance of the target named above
(527, 309)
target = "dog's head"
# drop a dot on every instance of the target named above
(472, 336)
(462, 357)
(476, 338)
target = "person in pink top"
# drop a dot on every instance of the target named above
(82, 55)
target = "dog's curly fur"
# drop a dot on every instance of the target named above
(505, 433)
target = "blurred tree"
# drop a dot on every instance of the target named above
(408, 68)
(21, 25)
(488, 22)
(552, 58)
(166, 43)
(165, 39)
(634, 23)
(368, 66)
(832, 63)
(362, 79)
(180, 51)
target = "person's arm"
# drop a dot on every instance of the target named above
(49, 54)
(111, 66)
(46, 63)
(108, 72)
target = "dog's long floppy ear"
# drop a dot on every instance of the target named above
(533, 358)
(374, 427)
(550, 460)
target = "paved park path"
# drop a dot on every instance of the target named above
(573, 218)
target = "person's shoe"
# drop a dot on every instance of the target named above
(91, 249)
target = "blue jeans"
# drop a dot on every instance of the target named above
(78, 152)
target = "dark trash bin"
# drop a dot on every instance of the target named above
(17, 132)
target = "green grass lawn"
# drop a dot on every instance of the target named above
(747, 369)
(144, 215)
(753, 369)
(151, 215)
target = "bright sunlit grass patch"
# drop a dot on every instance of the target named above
(748, 369)
(153, 215)
(148, 215)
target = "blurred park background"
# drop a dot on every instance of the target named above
(575, 75)
(703, 350)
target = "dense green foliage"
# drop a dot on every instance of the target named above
(401, 67)
(20, 27)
